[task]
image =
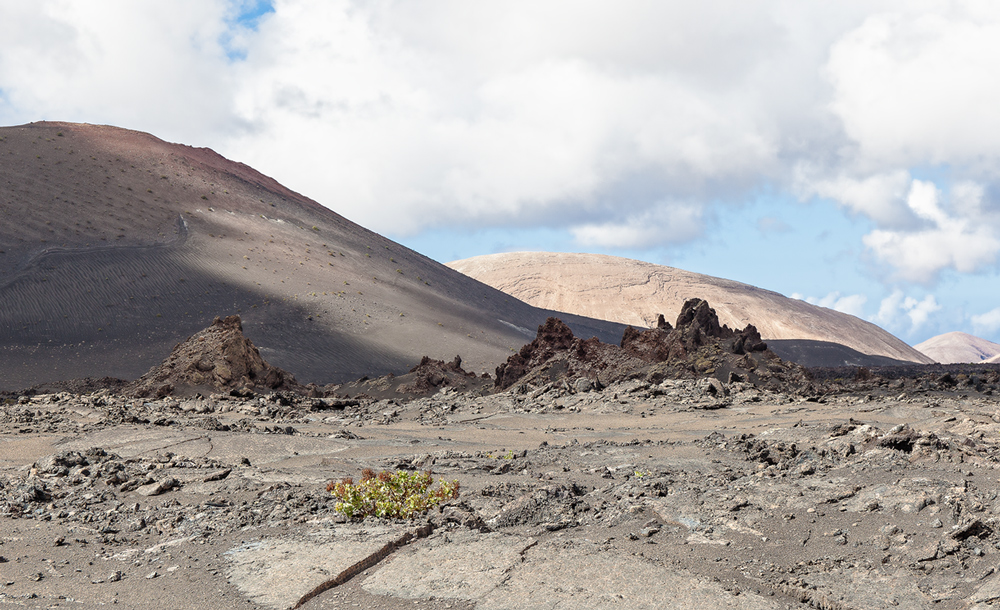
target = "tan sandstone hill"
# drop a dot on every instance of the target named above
(959, 348)
(634, 292)
(116, 245)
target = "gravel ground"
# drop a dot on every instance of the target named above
(638, 495)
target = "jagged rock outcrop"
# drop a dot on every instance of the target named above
(556, 354)
(431, 374)
(553, 336)
(220, 357)
(697, 325)
(698, 346)
(428, 377)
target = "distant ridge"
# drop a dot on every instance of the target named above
(634, 292)
(959, 348)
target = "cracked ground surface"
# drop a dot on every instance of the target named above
(636, 496)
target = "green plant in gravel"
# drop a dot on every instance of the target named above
(399, 495)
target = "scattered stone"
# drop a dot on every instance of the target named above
(155, 489)
(218, 476)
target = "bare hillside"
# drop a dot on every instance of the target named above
(958, 348)
(115, 246)
(634, 292)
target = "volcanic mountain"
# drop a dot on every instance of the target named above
(958, 348)
(634, 292)
(115, 246)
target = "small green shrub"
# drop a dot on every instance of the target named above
(399, 495)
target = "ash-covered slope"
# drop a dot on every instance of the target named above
(634, 292)
(115, 245)
(958, 348)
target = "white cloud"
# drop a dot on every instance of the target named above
(898, 311)
(917, 85)
(881, 197)
(988, 322)
(160, 67)
(407, 129)
(951, 242)
(669, 224)
(852, 304)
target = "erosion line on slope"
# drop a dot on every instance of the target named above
(35, 259)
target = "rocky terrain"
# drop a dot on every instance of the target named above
(186, 461)
(588, 471)
(633, 292)
(747, 497)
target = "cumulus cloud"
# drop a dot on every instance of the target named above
(489, 122)
(988, 322)
(881, 197)
(668, 224)
(852, 304)
(897, 311)
(918, 86)
(160, 67)
(947, 241)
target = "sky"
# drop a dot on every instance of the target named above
(845, 153)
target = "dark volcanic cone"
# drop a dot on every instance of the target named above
(115, 245)
(218, 358)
